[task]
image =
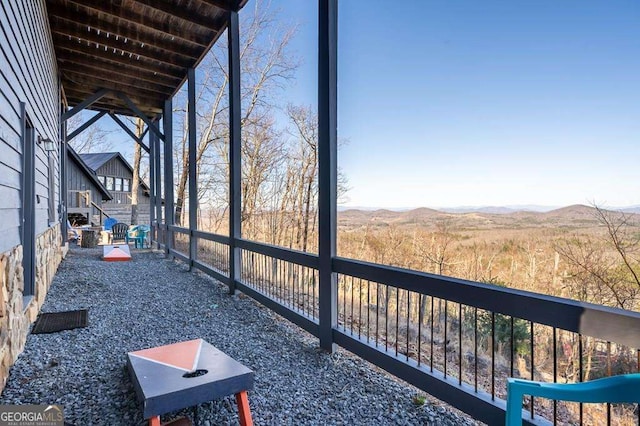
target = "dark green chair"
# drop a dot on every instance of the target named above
(119, 232)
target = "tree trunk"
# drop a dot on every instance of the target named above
(182, 186)
(135, 181)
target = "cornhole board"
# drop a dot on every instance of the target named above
(113, 253)
(171, 377)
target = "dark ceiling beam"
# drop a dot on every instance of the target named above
(119, 109)
(115, 82)
(159, 40)
(151, 107)
(70, 60)
(99, 51)
(74, 56)
(91, 53)
(66, 29)
(223, 4)
(170, 8)
(140, 20)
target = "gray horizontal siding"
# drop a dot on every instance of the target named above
(10, 198)
(28, 74)
(77, 181)
(8, 218)
(125, 197)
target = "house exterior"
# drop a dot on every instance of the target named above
(85, 192)
(31, 246)
(116, 175)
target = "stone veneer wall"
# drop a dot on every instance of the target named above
(15, 318)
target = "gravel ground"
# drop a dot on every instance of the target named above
(150, 302)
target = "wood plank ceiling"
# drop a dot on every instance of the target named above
(142, 48)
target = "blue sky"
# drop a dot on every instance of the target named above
(475, 103)
(450, 103)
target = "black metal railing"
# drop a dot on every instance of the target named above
(213, 255)
(286, 277)
(181, 241)
(457, 340)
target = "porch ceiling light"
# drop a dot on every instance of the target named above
(48, 144)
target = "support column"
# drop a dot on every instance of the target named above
(169, 218)
(152, 186)
(327, 168)
(158, 185)
(193, 184)
(62, 205)
(235, 149)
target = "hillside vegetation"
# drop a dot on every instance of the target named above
(580, 252)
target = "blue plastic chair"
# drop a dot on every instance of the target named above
(615, 389)
(109, 222)
(138, 234)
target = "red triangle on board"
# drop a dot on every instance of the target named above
(183, 355)
(117, 254)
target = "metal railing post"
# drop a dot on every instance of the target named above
(158, 186)
(193, 183)
(235, 148)
(167, 122)
(152, 185)
(327, 169)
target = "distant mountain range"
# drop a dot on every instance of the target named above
(577, 215)
(486, 209)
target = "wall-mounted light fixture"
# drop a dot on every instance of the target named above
(47, 144)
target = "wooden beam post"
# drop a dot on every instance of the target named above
(169, 219)
(327, 169)
(193, 184)
(235, 150)
(152, 187)
(158, 184)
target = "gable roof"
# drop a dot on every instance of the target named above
(89, 173)
(95, 160)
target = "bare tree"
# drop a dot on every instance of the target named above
(305, 161)
(438, 252)
(266, 66)
(93, 139)
(135, 181)
(604, 270)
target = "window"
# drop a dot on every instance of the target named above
(102, 179)
(109, 183)
(125, 185)
(118, 184)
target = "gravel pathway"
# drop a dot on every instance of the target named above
(150, 302)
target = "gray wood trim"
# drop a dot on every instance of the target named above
(28, 212)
